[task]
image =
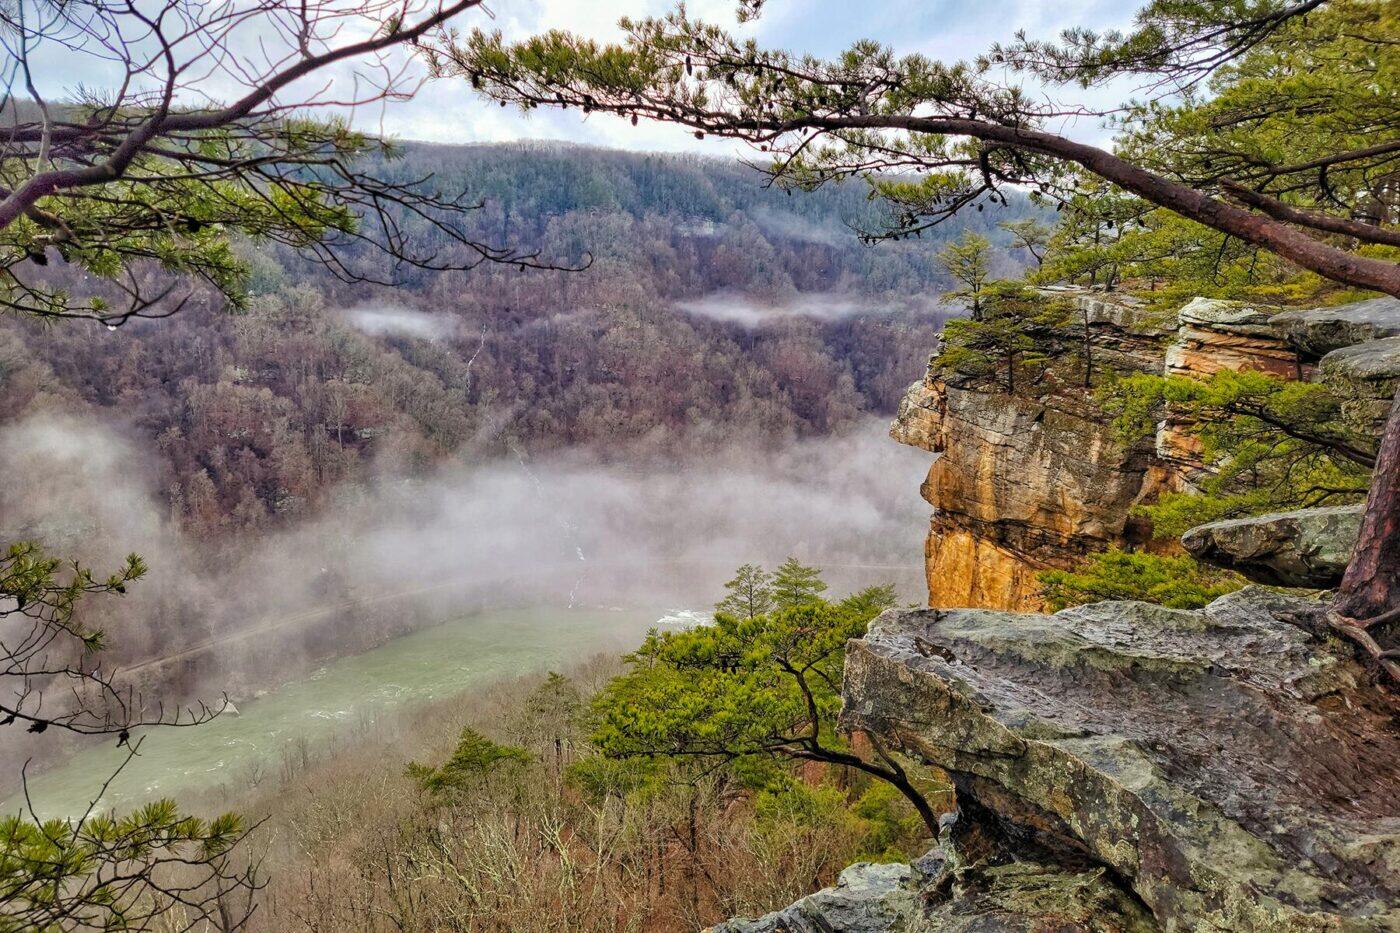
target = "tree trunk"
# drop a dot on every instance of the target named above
(893, 775)
(1088, 353)
(1371, 586)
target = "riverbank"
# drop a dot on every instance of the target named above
(281, 727)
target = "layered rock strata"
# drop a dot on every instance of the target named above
(1020, 484)
(1214, 335)
(1023, 484)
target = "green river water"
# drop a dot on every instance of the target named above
(344, 694)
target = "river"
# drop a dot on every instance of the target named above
(430, 664)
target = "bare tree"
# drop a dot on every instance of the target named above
(220, 120)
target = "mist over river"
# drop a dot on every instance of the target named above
(571, 531)
(237, 750)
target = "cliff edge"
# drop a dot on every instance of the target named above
(1228, 768)
(1034, 481)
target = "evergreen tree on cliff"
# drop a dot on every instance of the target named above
(1269, 123)
(749, 593)
(966, 260)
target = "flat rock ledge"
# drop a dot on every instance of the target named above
(1232, 766)
(1304, 548)
(1319, 331)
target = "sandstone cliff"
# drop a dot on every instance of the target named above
(1035, 481)
(1019, 484)
(1022, 483)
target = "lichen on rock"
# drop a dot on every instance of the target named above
(1230, 764)
(1364, 376)
(1301, 548)
(1318, 331)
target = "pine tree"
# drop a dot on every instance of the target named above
(795, 584)
(1018, 329)
(1030, 235)
(965, 260)
(749, 594)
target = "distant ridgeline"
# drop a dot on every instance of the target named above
(1043, 478)
(714, 309)
(568, 201)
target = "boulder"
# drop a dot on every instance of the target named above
(867, 898)
(1233, 766)
(1306, 547)
(1365, 377)
(1319, 331)
(929, 897)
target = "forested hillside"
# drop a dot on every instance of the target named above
(709, 310)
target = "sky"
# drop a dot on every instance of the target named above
(949, 30)
(447, 111)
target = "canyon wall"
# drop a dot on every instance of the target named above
(1033, 481)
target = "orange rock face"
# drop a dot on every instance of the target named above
(1213, 336)
(1228, 335)
(964, 570)
(1021, 485)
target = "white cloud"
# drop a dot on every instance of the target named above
(394, 321)
(749, 311)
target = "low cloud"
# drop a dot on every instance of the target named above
(792, 226)
(397, 321)
(734, 307)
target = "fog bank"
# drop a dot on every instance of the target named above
(567, 530)
(396, 321)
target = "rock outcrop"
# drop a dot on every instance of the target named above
(930, 897)
(1022, 484)
(1365, 376)
(1214, 335)
(1318, 331)
(867, 898)
(1302, 548)
(1231, 766)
